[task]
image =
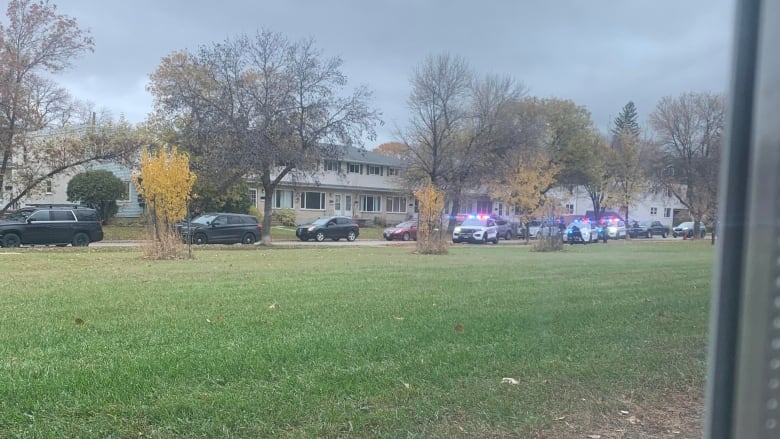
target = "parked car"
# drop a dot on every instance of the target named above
(686, 229)
(221, 228)
(404, 231)
(333, 227)
(504, 228)
(582, 232)
(647, 229)
(476, 229)
(58, 226)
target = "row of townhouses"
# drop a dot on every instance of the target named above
(367, 186)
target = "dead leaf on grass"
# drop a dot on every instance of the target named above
(398, 318)
(407, 385)
(512, 381)
(594, 436)
(272, 306)
(221, 318)
(633, 420)
(459, 328)
(624, 412)
(79, 321)
(560, 418)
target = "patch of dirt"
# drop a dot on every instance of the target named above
(678, 416)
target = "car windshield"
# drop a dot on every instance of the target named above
(19, 215)
(474, 222)
(686, 225)
(644, 223)
(405, 224)
(321, 221)
(203, 219)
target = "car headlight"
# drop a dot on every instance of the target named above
(457, 230)
(311, 229)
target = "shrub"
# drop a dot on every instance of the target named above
(285, 217)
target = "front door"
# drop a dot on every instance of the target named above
(337, 206)
(347, 206)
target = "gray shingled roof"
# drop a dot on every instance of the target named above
(360, 155)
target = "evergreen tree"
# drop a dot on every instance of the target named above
(626, 122)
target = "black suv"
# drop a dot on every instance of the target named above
(221, 228)
(333, 227)
(58, 226)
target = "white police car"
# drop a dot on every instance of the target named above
(581, 231)
(476, 229)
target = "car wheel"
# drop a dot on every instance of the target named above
(649, 233)
(80, 240)
(351, 236)
(407, 236)
(11, 240)
(320, 236)
(248, 239)
(495, 241)
(664, 235)
(200, 239)
(389, 238)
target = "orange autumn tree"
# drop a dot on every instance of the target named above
(430, 233)
(165, 182)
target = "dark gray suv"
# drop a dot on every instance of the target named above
(58, 226)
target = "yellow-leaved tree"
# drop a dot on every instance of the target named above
(526, 183)
(165, 182)
(430, 233)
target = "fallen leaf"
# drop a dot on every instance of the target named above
(407, 385)
(509, 381)
(208, 321)
(560, 418)
(79, 321)
(398, 318)
(221, 318)
(272, 306)
(633, 420)
(661, 313)
(594, 436)
(624, 412)
(458, 328)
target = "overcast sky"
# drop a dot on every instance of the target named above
(598, 53)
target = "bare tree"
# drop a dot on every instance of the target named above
(260, 107)
(461, 127)
(36, 41)
(688, 129)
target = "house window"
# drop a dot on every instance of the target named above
(570, 209)
(49, 186)
(313, 200)
(332, 165)
(282, 199)
(370, 203)
(253, 195)
(396, 204)
(355, 168)
(374, 170)
(667, 212)
(484, 206)
(392, 172)
(653, 211)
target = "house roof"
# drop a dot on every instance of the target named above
(361, 155)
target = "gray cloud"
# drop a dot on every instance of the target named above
(598, 53)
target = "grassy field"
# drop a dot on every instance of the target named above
(351, 341)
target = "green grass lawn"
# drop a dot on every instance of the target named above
(345, 342)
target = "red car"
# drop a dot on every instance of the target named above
(405, 231)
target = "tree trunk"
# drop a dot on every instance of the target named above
(268, 189)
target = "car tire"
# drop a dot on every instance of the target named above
(248, 239)
(80, 240)
(200, 239)
(649, 234)
(389, 238)
(351, 235)
(495, 241)
(319, 237)
(664, 235)
(11, 240)
(407, 236)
